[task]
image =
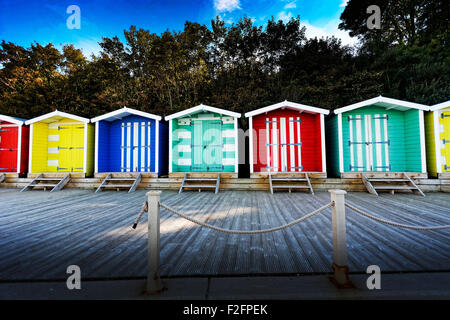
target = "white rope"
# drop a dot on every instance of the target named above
(143, 209)
(247, 231)
(395, 224)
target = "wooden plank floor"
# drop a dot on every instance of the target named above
(42, 233)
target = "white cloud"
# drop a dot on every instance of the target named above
(343, 3)
(226, 5)
(291, 5)
(328, 30)
(283, 16)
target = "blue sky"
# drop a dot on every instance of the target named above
(44, 21)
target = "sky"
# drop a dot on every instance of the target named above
(45, 21)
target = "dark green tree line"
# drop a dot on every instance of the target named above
(239, 67)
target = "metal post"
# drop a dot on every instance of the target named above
(340, 268)
(154, 284)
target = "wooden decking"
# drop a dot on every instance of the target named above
(43, 233)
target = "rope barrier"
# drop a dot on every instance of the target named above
(395, 224)
(203, 224)
(143, 209)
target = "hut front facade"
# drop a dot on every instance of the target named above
(128, 140)
(377, 135)
(203, 139)
(14, 137)
(437, 124)
(287, 137)
(61, 143)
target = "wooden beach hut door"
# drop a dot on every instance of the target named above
(369, 142)
(136, 146)
(206, 145)
(283, 144)
(71, 148)
(445, 151)
(8, 148)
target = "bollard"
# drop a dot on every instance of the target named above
(154, 284)
(340, 268)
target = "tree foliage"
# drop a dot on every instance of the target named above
(239, 67)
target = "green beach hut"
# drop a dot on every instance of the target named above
(203, 139)
(377, 135)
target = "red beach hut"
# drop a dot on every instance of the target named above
(14, 136)
(287, 137)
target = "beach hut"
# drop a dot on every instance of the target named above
(203, 139)
(61, 145)
(437, 127)
(129, 144)
(14, 135)
(380, 140)
(287, 138)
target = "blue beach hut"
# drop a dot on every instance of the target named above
(130, 141)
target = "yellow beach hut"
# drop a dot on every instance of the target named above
(437, 124)
(61, 143)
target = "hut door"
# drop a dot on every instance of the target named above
(445, 135)
(358, 143)
(8, 148)
(71, 148)
(135, 147)
(283, 144)
(145, 147)
(212, 144)
(369, 143)
(198, 145)
(206, 140)
(377, 142)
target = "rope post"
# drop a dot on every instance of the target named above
(340, 268)
(154, 284)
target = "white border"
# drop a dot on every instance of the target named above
(341, 148)
(422, 142)
(322, 132)
(121, 113)
(200, 108)
(157, 148)
(57, 114)
(96, 147)
(288, 104)
(30, 150)
(170, 146)
(250, 142)
(441, 105)
(11, 119)
(437, 141)
(19, 149)
(236, 149)
(85, 148)
(393, 102)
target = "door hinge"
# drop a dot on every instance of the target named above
(352, 142)
(387, 167)
(386, 117)
(349, 118)
(388, 142)
(355, 167)
(292, 144)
